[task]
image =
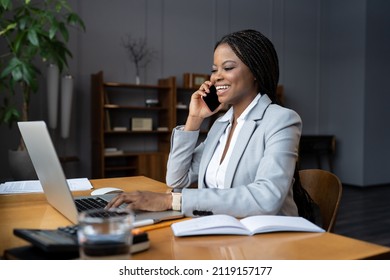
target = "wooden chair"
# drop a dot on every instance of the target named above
(325, 189)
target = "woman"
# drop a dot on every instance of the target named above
(246, 164)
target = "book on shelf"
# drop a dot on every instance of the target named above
(228, 225)
(162, 128)
(107, 121)
(119, 128)
(180, 105)
(113, 151)
(111, 106)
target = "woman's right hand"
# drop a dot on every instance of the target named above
(143, 200)
(198, 109)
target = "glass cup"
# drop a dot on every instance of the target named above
(105, 234)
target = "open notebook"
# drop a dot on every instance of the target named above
(54, 184)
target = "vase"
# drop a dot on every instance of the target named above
(21, 166)
(137, 80)
(66, 105)
(52, 82)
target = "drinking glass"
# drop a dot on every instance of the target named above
(105, 234)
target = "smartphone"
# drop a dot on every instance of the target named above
(211, 99)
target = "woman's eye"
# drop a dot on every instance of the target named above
(225, 69)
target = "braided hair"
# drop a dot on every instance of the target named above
(258, 53)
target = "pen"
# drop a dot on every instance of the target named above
(142, 223)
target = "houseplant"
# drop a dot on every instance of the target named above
(33, 31)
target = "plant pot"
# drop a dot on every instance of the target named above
(21, 166)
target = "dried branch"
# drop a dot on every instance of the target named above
(138, 52)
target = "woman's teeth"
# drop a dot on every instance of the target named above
(222, 87)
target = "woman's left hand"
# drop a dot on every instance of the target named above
(143, 200)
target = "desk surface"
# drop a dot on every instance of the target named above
(32, 211)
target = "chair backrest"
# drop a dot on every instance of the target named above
(325, 189)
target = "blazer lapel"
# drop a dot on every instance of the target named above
(242, 142)
(246, 132)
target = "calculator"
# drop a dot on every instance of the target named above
(64, 239)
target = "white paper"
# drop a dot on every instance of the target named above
(34, 186)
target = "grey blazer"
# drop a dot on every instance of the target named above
(259, 175)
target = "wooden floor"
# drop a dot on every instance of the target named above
(364, 214)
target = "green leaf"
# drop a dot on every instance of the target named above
(8, 113)
(24, 22)
(18, 42)
(52, 31)
(64, 4)
(11, 115)
(33, 37)
(6, 4)
(13, 63)
(17, 74)
(7, 28)
(58, 7)
(28, 74)
(75, 20)
(64, 31)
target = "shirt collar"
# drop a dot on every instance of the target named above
(229, 114)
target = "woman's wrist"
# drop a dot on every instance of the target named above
(168, 201)
(193, 123)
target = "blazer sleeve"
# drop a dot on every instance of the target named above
(184, 158)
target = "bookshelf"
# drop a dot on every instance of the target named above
(130, 132)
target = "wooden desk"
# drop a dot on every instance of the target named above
(32, 211)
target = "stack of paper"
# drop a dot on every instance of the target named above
(34, 186)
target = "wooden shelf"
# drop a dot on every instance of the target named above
(120, 107)
(114, 105)
(120, 168)
(112, 132)
(134, 86)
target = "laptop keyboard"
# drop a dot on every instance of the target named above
(84, 204)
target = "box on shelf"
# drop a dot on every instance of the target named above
(141, 124)
(193, 80)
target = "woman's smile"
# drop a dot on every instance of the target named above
(221, 89)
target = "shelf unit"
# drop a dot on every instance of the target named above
(143, 152)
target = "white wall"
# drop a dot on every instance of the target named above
(332, 60)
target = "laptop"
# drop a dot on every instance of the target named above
(55, 186)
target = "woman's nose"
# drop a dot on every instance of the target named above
(216, 77)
